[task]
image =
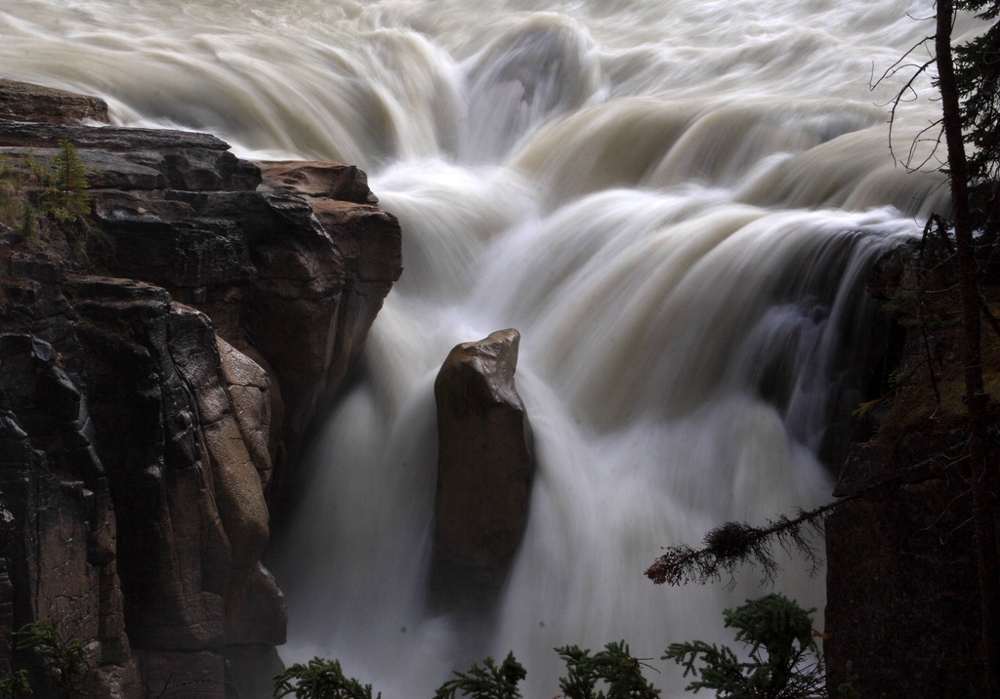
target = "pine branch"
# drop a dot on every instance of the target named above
(733, 544)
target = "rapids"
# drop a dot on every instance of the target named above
(674, 202)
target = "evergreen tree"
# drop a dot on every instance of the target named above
(68, 196)
(487, 682)
(977, 79)
(785, 662)
(320, 679)
(65, 661)
(614, 666)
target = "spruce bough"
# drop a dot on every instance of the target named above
(785, 661)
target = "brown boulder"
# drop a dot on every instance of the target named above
(485, 464)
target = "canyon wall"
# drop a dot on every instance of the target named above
(903, 614)
(159, 370)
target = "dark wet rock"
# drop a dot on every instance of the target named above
(109, 138)
(61, 551)
(195, 675)
(27, 102)
(902, 609)
(251, 670)
(255, 609)
(128, 158)
(150, 414)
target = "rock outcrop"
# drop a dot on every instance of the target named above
(485, 464)
(903, 604)
(61, 548)
(155, 394)
(36, 103)
(903, 612)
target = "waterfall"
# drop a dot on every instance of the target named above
(676, 204)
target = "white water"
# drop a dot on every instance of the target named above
(670, 200)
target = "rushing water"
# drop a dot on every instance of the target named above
(674, 202)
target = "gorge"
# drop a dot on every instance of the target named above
(676, 205)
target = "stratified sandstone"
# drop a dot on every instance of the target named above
(485, 464)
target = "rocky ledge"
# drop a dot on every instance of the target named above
(156, 388)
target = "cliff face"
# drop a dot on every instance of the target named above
(903, 610)
(903, 602)
(158, 372)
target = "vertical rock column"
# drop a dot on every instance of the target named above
(485, 467)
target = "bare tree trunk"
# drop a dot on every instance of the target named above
(982, 468)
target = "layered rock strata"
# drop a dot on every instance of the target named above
(36, 103)
(153, 400)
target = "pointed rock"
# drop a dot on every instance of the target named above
(485, 464)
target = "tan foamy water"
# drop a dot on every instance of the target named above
(674, 202)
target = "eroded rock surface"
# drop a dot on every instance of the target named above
(485, 464)
(61, 551)
(152, 401)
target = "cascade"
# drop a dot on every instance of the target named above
(676, 205)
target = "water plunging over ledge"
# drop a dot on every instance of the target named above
(674, 203)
